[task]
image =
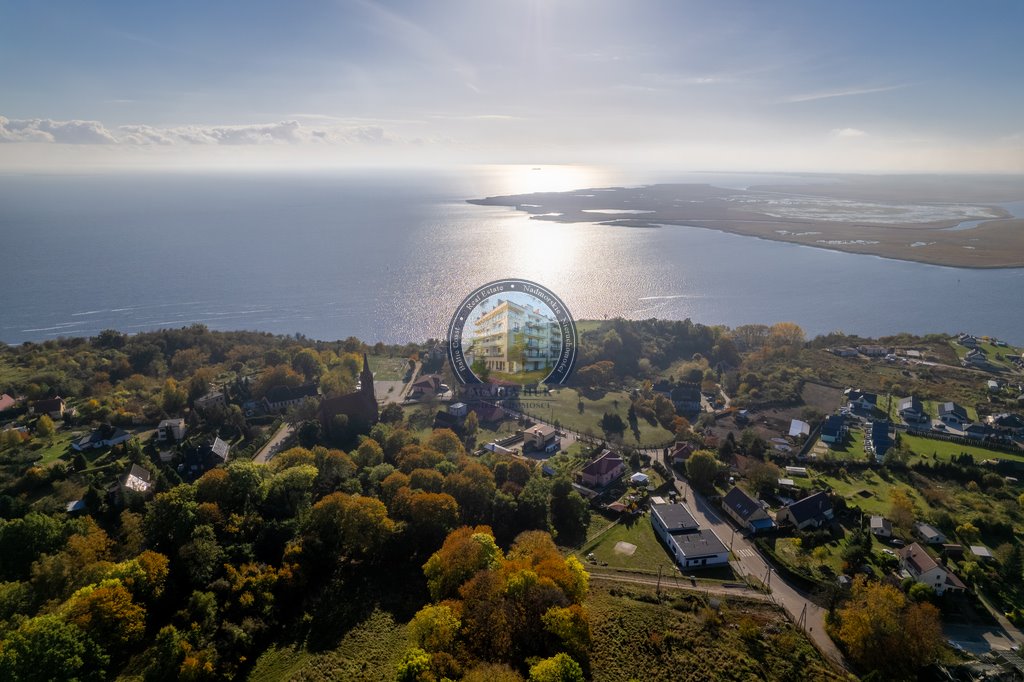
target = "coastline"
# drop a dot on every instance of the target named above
(923, 231)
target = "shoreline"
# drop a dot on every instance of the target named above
(919, 231)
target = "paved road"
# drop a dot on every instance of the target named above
(268, 451)
(748, 561)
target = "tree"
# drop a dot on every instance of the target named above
(392, 413)
(968, 532)
(558, 668)
(570, 513)
(49, 648)
(307, 362)
(465, 551)
(881, 631)
(173, 397)
(763, 477)
(701, 469)
(901, 509)
(341, 525)
(471, 426)
(921, 592)
(109, 615)
(368, 454)
(434, 628)
(45, 427)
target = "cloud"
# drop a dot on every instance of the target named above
(848, 132)
(59, 132)
(281, 133)
(849, 92)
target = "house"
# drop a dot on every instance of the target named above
(540, 437)
(982, 552)
(488, 414)
(1007, 423)
(426, 385)
(845, 352)
(978, 431)
(993, 386)
(928, 534)
(7, 402)
(952, 414)
(280, 398)
(873, 351)
(220, 450)
(799, 428)
(53, 407)
(922, 567)
(967, 341)
(690, 545)
(834, 429)
(210, 401)
(679, 453)
(813, 511)
(861, 400)
(912, 410)
(881, 527)
(746, 511)
(606, 468)
(359, 407)
(879, 439)
(105, 436)
(459, 410)
(136, 480)
(201, 459)
(796, 471)
(171, 430)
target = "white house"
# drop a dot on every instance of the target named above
(881, 527)
(928, 534)
(690, 545)
(171, 429)
(923, 568)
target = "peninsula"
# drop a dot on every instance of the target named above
(958, 222)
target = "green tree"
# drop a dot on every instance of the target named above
(701, 469)
(45, 427)
(49, 648)
(434, 628)
(307, 362)
(570, 513)
(558, 668)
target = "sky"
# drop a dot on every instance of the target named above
(912, 86)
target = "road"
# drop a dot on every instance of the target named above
(748, 561)
(268, 451)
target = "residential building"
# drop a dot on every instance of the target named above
(746, 511)
(967, 341)
(459, 410)
(424, 386)
(815, 511)
(976, 358)
(52, 407)
(912, 410)
(105, 436)
(799, 428)
(607, 467)
(845, 352)
(212, 400)
(978, 431)
(993, 386)
(136, 480)
(873, 351)
(833, 430)
(7, 402)
(680, 452)
(878, 439)
(515, 338)
(952, 414)
(280, 398)
(686, 398)
(1006, 422)
(640, 479)
(928, 533)
(171, 430)
(881, 527)
(922, 567)
(861, 400)
(690, 545)
(540, 437)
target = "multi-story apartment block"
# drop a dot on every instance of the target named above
(515, 338)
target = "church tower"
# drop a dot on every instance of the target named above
(366, 380)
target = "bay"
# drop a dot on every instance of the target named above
(386, 255)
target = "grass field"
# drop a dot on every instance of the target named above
(564, 407)
(852, 448)
(867, 490)
(387, 368)
(636, 637)
(945, 450)
(369, 652)
(649, 552)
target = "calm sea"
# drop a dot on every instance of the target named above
(387, 255)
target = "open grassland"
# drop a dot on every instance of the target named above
(563, 407)
(636, 637)
(369, 652)
(946, 450)
(388, 368)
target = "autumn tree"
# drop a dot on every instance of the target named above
(901, 509)
(45, 427)
(558, 668)
(344, 526)
(882, 631)
(465, 551)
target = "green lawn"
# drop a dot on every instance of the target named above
(649, 554)
(53, 451)
(945, 450)
(387, 368)
(852, 448)
(867, 490)
(563, 406)
(992, 352)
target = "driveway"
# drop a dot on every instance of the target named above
(268, 451)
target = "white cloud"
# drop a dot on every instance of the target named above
(848, 132)
(848, 92)
(280, 133)
(59, 132)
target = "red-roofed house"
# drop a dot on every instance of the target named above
(923, 568)
(7, 402)
(603, 470)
